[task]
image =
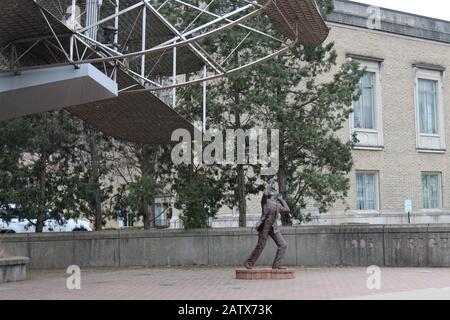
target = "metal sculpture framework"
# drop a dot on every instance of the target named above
(134, 40)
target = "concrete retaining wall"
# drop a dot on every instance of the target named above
(390, 246)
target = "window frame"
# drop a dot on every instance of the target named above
(436, 106)
(439, 190)
(377, 132)
(423, 140)
(161, 219)
(376, 175)
(374, 101)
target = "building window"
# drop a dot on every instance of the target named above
(162, 214)
(431, 190)
(367, 119)
(429, 111)
(364, 108)
(366, 191)
(428, 106)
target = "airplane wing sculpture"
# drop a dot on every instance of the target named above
(116, 64)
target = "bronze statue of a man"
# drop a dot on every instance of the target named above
(272, 205)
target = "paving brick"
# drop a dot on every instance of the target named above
(207, 283)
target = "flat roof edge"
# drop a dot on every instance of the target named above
(392, 21)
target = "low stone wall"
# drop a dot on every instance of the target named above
(390, 246)
(13, 269)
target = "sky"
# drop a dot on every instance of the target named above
(431, 8)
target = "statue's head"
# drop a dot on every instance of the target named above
(273, 195)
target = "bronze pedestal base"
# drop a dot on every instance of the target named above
(265, 274)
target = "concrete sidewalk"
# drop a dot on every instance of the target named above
(202, 283)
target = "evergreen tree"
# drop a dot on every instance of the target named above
(37, 176)
(146, 172)
(299, 95)
(97, 160)
(199, 194)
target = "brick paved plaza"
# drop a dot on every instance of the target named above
(219, 283)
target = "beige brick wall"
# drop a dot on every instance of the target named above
(400, 165)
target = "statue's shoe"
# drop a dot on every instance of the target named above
(279, 268)
(248, 266)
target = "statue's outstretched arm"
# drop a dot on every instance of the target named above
(284, 208)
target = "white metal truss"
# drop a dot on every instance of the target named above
(84, 48)
(142, 40)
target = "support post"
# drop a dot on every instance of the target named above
(144, 30)
(116, 37)
(72, 42)
(116, 24)
(74, 14)
(174, 80)
(204, 98)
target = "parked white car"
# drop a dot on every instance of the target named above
(51, 225)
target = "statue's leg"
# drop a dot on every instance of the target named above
(262, 240)
(282, 248)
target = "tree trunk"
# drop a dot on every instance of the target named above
(241, 196)
(281, 175)
(146, 216)
(149, 216)
(282, 183)
(42, 207)
(240, 179)
(96, 181)
(98, 213)
(148, 210)
(282, 180)
(41, 215)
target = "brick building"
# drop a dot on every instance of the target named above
(401, 120)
